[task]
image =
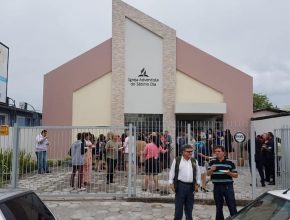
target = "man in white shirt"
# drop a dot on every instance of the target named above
(126, 151)
(184, 179)
(41, 152)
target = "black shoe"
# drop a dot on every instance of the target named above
(48, 171)
(144, 190)
(263, 184)
(203, 189)
(271, 183)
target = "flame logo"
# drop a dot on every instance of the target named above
(143, 73)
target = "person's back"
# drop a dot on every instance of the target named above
(127, 143)
(76, 153)
(201, 149)
(112, 149)
(258, 149)
(151, 151)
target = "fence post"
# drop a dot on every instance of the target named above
(134, 144)
(130, 162)
(275, 157)
(253, 162)
(188, 134)
(14, 174)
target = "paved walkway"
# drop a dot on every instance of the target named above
(95, 202)
(120, 210)
(56, 184)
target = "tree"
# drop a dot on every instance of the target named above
(261, 101)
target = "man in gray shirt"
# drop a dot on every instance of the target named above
(112, 147)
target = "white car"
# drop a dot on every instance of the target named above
(274, 205)
(23, 205)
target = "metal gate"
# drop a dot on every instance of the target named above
(282, 157)
(18, 166)
(277, 161)
(19, 162)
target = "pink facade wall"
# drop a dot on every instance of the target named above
(60, 83)
(236, 86)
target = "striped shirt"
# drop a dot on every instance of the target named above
(218, 176)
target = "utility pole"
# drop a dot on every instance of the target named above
(13, 118)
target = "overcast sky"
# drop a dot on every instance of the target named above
(253, 36)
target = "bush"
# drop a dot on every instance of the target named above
(26, 164)
(5, 164)
(50, 163)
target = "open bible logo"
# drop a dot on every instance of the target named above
(143, 73)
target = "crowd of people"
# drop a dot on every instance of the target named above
(208, 138)
(265, 157)
(206, 154)
(110, 152)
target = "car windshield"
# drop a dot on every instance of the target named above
(266, 207)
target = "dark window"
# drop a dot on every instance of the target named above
(26, 207)
(145, 123)
(266, 207)
(2, 120)
(23, 121)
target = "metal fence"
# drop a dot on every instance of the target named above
(21, 170)
(282, 157)
(19, 162)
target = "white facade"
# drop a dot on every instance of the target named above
(143, 70)
(270, 124)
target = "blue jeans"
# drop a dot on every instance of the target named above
(220, 192)
(41, 161)
(184, 198)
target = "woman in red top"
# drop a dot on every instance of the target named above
(151, 153)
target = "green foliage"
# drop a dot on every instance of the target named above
(55, 163)
(261, 101)
(50, 163)
(26, 164)
(5, 164)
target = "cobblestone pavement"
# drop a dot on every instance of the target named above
(55, 191)
(57, 184)
(111, 210)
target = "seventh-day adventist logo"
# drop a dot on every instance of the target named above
(143, 73)
(143, 79)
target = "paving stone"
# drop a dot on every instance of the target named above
(57, 184)
(114, 209)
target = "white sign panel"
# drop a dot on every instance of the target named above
(143, 70)
(239, 137)
(4, 51)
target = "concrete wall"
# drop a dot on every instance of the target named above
(60, 84)
(266, 125)
(92, 103)
(189, 90)
(236, 86)
(68, 82)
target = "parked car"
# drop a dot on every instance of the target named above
(274, 205)
(23, 205)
